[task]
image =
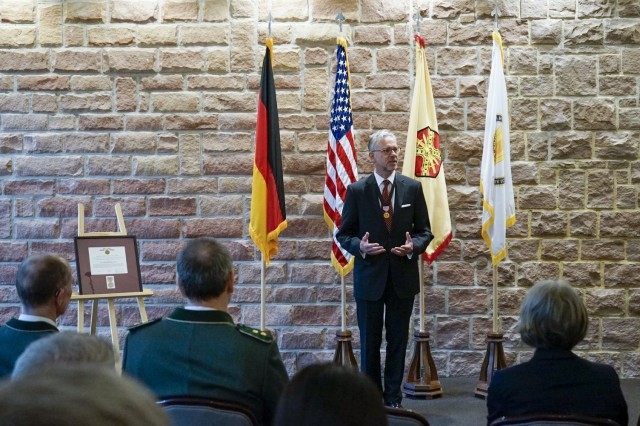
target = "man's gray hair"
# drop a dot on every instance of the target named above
(379, 135)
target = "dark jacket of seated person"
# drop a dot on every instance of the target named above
(43, 284)
(553, 319)
(198, 350)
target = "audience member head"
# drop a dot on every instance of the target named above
(44, 285)
(205, 270)
(78, 395)
(64, 348)
(329, 394)
(553, 316)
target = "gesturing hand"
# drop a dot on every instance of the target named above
(405, 249)
(370, 248)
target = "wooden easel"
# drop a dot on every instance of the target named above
(110, 298)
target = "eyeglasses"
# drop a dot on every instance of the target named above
(388, 151)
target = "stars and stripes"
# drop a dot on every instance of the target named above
(342, 168)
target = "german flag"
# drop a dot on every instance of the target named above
(268, 215)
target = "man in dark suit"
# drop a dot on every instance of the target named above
(43, 283)
(198, 350)
(385, 226)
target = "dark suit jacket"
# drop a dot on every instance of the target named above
(362, 213)
(15, 336)
(559, 382)
(203, 353)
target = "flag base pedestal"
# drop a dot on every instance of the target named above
(422, 376)
(344, 350)
(493, 360)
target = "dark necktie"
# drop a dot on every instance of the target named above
(387, 207)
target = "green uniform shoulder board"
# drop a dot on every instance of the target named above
(264, 336)
(143, 324)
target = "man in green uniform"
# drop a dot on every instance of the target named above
(198, 350)
(43, 283)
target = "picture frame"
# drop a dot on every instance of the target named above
(107, 265)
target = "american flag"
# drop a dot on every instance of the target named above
(342, 169)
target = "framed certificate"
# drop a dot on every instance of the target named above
(108, 264)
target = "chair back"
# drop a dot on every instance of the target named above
(197, 411)
(554, 420)
(400, 417)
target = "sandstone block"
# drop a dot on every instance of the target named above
(16, 60)
(208, 35)
(546, 31)
(37, 229)
(629, 118)
(452, 332)
(392, 59)
(25, 122)
(227, 205)
(470, 34)
(617, 145)
(468, 301)
(89, 102)
(450, 114)
(180, 10)
(143, 122)
(622, 31)
(18, 11)
(215, 10)
(138, 186)
(157, 35)
(172, 206)
(191, 121)
(594, 114)
(451, 8)
(131, 60)
(620, 333)
(316, 91)
(571, 189)
(133, 142)
(575, 75)
(600, 189)
(372, 34)
(85, 11)
(133, 11)
(90, 83)
(628, 8)
(157, 165)
(175, 102)
(17, 37)
(29, 186)
(85, 186)
(457, 60)
(537, 197)
(182, 60)
(43, 82)
(531, 272)
(548, 224)
(151, 228)
(101, 122)
(162, 82)
(221, 227)
(524, 114)
(14, 103)
(86, 142)
(555, 114)
(571, 145)
(523, 250)
(583, 32)
(583, 223)
(98, 165)
(111, 36)
(243, 42)
(227, 142)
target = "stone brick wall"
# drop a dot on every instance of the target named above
(153, 103)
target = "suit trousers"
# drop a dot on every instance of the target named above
(395, 314)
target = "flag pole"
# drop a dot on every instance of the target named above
(263, 292)
(497, 217)
(343, 304)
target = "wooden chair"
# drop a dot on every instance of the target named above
(554, 420)
(400, 417)
(198, 411)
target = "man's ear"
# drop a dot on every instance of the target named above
(230, 282)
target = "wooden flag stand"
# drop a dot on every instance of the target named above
(110, 298)
(344, 350)
(422, 377)
(494, 358)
